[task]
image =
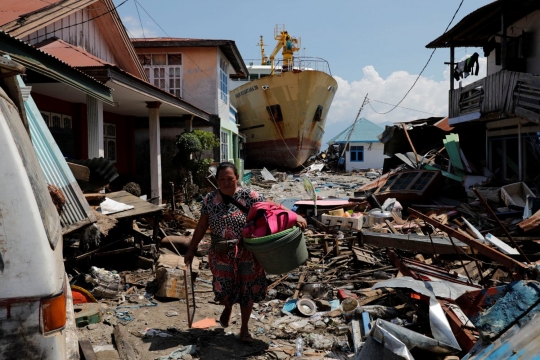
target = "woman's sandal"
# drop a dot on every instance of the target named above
(223, 323)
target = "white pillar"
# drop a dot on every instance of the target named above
(189, 124)
(94, 117)
(155, 149)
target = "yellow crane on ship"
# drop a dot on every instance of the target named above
(285, 41)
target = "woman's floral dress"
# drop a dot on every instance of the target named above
(238, 276)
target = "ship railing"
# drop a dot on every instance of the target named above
(302, 64)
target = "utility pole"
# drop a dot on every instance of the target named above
(352, 127)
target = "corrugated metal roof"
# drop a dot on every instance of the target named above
(364, 131)
(76, 212)
(70, 54)
(13, 9)
(52, 67)
(475, 29)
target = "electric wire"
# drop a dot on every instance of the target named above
(142, 27)
(150, 16)
(402, 107)
(76, 24)
(187, 56)
(424, 68)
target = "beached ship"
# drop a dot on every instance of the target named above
(282, 109)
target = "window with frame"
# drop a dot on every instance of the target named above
(223, 80)
(164, 71)
(56, 120)
(224, 146)
(357, 153)
(109, 141)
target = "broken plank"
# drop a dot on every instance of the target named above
(412, 242)
(300, 280)
(391, 227)
(365, 256)
(125, 350)
(80, 172)
(95, 197)
(86, 350)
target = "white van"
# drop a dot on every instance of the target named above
(33, 286)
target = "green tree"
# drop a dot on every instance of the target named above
(192, 157)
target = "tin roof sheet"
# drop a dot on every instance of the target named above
(364, 131)
(12, 9)
(76, 211)
(52, 67)
(70, 54)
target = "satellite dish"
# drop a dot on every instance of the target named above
(308, 186)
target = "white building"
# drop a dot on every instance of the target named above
(363, 149)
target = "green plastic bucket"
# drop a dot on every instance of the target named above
(268, 238)
(285, 253)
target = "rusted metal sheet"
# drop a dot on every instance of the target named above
(289, 153)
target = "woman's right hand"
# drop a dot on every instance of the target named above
(188, 258)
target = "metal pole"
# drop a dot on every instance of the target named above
(460, 259)
(503, 38)
(354, 123)
(481, 198)
(173, 197)
(452, 55)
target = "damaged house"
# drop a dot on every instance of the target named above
(363, 149)
(501, 112)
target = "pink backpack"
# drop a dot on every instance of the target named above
(265, 218)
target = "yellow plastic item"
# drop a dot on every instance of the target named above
(338, 212)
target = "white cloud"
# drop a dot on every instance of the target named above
(133, 26)
(427, 95)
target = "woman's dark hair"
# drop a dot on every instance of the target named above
(225, 165)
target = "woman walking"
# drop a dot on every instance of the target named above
(237, 275)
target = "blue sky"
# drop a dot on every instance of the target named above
(372, 46)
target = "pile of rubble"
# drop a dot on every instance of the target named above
(417, 262)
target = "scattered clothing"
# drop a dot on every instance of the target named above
(464, 68)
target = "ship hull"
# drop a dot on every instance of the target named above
(288, 136)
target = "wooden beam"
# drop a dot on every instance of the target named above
(86, 350)
(412, 242)
(125, 350)
(516, 268)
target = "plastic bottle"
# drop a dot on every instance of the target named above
(299, 346)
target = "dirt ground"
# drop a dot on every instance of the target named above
(215, 342)
(212, 343)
